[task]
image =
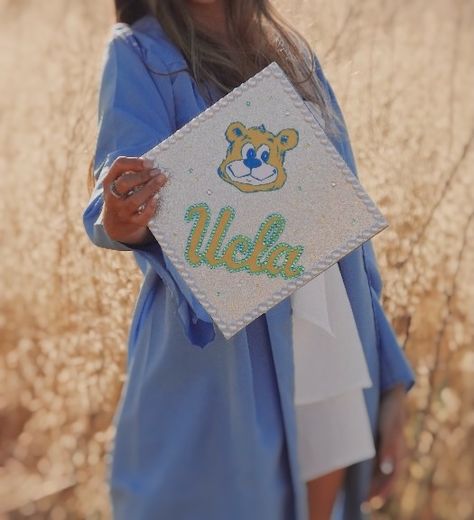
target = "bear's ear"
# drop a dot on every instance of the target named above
(288, 139)
(235, 131)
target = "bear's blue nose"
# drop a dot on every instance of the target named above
(251, 160)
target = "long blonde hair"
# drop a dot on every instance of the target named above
(257, 35)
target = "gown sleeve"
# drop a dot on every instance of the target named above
(135, 114)
(394, 366)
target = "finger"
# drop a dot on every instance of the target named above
(387, 456)
(395, 464)
(386, 486)
(377, 485)
(142, 219)
(390, 446)
(382, 485)
(386, 482)
(387, 468)
(132, 180)
(381, 477)
(123, 164)
(149, 189)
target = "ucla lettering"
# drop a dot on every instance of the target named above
(263, 254)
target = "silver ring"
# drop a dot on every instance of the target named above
(115, 193)
(141, 208)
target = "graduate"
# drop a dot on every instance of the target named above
(207, 428)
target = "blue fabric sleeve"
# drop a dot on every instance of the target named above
(135, 114)
(394, 366)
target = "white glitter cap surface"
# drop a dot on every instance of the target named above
(238, 159)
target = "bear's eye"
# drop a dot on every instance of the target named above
(248, 151)
(263, 153)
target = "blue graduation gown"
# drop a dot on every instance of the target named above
(210, 433)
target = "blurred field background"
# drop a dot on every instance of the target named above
(403, 72)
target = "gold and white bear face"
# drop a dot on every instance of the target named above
(255, 157)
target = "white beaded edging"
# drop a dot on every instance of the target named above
(229, 328)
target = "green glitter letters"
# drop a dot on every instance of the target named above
(261, 255)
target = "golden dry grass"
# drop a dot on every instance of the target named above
(403, 73)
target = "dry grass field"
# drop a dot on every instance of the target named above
(403, 72)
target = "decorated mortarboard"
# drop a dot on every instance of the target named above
(258, 201)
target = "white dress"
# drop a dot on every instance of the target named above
(330, 374)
